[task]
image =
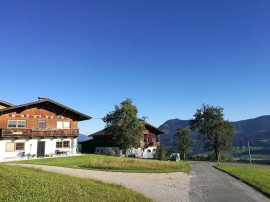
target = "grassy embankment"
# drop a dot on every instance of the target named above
(255, 176)
(108, 163)
(28, 184)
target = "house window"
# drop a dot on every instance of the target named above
(10, 146)
(63, 124)
(21, 123)
(19, 146)
(12, 124)
(62, 144)
(42, 124)
(16, 123)
(14, 146)
(66, 124)
(66, 144)
(58, 144)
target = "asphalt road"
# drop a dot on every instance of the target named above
(209, 184)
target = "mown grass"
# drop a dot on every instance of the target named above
(108, 163)
(255, 176)
(28, 184)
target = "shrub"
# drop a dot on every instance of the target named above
(110, 152)
(161, 153)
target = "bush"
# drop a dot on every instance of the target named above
(110, 152)
(161, 153)
(231, 160)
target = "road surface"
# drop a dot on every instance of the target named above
(211, 185)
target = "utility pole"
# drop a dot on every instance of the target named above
(249, 153)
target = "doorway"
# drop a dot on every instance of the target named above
(41, 149)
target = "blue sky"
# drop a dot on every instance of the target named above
(168, 56)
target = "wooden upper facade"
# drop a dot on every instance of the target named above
(43, 118)
(150, 139)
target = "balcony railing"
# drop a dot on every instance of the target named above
(150, 144)
(24, 132)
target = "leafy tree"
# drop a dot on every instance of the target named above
(124, 126)
(216, 132)
(184, 141)
(162, 153)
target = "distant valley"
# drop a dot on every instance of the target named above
(255, 131)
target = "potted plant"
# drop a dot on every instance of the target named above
(28, 155)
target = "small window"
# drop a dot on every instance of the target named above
(58, 144)
(10, 146)
(42, 124)
(66, 144)
(16, 123)
(66, 125)
(59, 124)
(12, 124)
(21, 123)
(101, 151)
(63, 124)
(19, 146)
(62, 144)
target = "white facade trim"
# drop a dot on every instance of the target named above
(30, 147)
(147, 153)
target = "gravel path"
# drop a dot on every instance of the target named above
(163, 187)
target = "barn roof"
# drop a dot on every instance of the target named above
(6, 104)
(48, 104)
(148, 126)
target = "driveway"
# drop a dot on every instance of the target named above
(161, 187)
(204, 184)
(209, 184)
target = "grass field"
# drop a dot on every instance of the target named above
(255, 176)
(108, 163)
(28, 184)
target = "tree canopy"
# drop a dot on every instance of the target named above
(216, 132)
(123, 125)
(184, 141)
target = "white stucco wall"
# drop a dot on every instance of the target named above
(103, 150)
(136, 152)
(30, 146)
(146, 153)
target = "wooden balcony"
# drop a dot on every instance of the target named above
(150, 144)
(25, 132)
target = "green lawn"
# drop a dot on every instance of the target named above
(108, 163)
(28, 184)
(255, 176)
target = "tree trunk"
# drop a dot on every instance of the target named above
(216, 153)
(126, 152)
(184, 155)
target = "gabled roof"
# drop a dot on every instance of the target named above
(153, 129)
(6, 104)
(148, 126)
(99, 133)
(50, 105)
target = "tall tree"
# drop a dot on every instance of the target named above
(216, 132)
(184, 141)
(124, 126)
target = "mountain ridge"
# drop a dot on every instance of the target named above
(256, 131)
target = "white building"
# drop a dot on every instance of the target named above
(38, 129)
(101, 143)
